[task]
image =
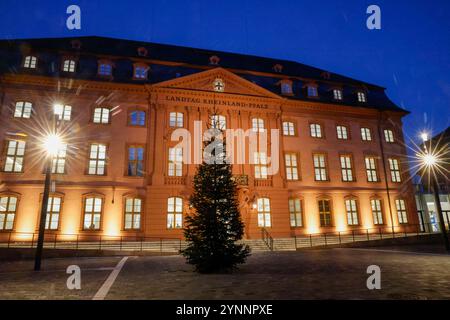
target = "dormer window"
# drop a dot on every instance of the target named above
(69, 65)
(286, 87)
(312, 91)
(105, 68)
(140, 71)
(337, 94)
(30, 62)
(361, 96)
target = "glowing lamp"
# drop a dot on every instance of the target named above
(52, 144)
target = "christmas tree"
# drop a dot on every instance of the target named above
(214, 228)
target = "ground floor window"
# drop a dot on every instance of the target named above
(8, 207)
(401, 211)
(53, 212)
(93, 207)
(377, 213)
(295, 211)
(263, 207)
(352, 212)
(174, 213)
(325, 213)
(133, 209)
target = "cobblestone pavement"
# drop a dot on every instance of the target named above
(313, 274)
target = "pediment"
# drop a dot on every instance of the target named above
(212, 80)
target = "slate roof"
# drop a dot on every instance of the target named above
(50, 51)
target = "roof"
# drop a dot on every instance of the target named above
(188, 58)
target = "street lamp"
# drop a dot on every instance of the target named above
(51, 144)
(430, 162)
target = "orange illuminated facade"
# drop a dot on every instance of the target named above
(341, 147)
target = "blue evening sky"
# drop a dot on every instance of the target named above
(410, 55)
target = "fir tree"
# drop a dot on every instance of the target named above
(214, 228)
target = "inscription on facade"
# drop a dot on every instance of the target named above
(217, 102)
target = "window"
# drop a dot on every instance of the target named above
(291, 166)
(315, 130)
(312, 91)
(101, 115)
(337, 94)
(260, 163)
(30, 62)
(93, 207)
(218, 122)
(346, 168)
(401, 211)
(286, 87)
(263, 207)
(174, 213)
(53, 212)
(133, 209)
(342, 132)
(175, 162)
(388, 136)
(140, 72)
(15, 152)
(371, 169)
(395, 170)
(352, 212)
(63, 112)
(8, 207)
(23, 109)
(366, 134)
(325, 213)
(288, 128)
(257, 125)
(59, 160)
(69, 65)
(377, 213)
(136, 118)
(135, 161)
(97, 159)
(320, 169)
(295, 211)
(105, 69)
(176, 119)
(361, 97)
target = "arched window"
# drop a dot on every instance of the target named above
(176, 119)
(30, 62)
(8, 208)
(174, 213)
(133, 211)
(69, 65)
(101, 115)
(263, 207)
(23, 109)
(258, 125)
(218, 122)
(136, 118)
(92, 215)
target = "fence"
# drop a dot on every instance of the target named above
(92, 242)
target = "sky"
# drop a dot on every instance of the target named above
(409, 55)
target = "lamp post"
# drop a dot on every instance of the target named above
(51, 145)
(429, 161)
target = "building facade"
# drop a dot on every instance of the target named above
(119, 103)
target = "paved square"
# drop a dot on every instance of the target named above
(315, 274)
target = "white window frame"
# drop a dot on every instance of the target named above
(132, 213)
(30, 62)
(402, 215)
(337, 94)
(394, 168)
(260, 165)
(92, 213)
(296, 212)
(371, 169)
(320, 167)
(23, 109)
(97, 159)
(315, 130)
(388, 135)
(288, 128)
(366, 134)
(361, 96)
(291, 164)
(258, 125)
(351, 208)
(176, 119)
(15, 154)
(377, 211)
(346, 168)
(69, 65)
(342, 132)
(175, 165)
(53, 213)
(174, 213)
(8, 211)
(102, 115)
(63, 112)
(263, 209)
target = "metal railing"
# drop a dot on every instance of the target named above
(361, 234)
(267, 238)
(91, 242)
